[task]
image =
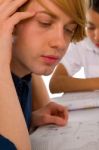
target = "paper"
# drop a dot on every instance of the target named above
(79, 100)
(82, 130)
(81, 135)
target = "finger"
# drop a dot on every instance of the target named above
(17, 17)
(1, 2)
(13, 6)
(4, 5)
(57, 108)
(63, 114)
(55, 120)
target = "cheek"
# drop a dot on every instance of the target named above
(32, 37)
(66, 47)
(90, 34)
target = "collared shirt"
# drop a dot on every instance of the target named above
(82, 54)
(24, 91)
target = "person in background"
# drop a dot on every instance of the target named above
(34, 35)
(82, 54)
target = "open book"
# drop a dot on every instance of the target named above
(82, 130)
(75, 136)
(79, 100)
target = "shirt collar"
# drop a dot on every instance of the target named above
(26, 78)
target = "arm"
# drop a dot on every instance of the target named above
(62, 82)
(12, 123)
(11, 116)
(39, 94)
(45, 113)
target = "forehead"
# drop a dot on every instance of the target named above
(49, 6)
(92, 16)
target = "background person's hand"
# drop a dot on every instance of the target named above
(8, 19)
(52, 113)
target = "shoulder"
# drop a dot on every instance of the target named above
(78, 45)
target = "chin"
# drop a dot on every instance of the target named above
(46, 73)
(45, 70)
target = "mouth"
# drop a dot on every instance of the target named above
(97, 44)
(50, 59)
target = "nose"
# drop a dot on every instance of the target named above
(96, 35)
(58, 40)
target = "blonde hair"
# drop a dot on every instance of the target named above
(76, 10)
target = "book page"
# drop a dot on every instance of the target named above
(82, 130)
(82, 135)
(79, 100)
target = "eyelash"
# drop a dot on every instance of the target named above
(45, 24)
(48, 24)
(90, 28)
(68, 31)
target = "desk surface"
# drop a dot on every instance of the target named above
(81, 133)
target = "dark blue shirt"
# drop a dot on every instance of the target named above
(5, 144)
(24, 91)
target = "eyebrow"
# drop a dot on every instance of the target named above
(88, 22)
(47, 13)
(71, 23)
(55, 17)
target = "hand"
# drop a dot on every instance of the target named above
(52, 113)
(8, 19)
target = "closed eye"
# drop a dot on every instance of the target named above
(68, 31)
(45, 24)
(90, 28)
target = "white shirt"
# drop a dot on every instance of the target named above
(82, 54)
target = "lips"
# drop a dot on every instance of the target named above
(50, 59)
(97, 44)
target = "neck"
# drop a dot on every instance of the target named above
(18, 69)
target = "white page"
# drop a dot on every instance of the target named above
(79, 100)
(84, 115)
(83, 135)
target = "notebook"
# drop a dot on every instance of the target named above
(79, 100)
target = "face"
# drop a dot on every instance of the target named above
(42, 40)
(92, 27)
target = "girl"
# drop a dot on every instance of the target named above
(82, 54)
